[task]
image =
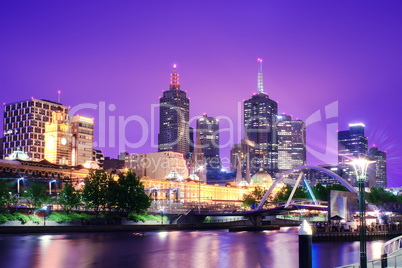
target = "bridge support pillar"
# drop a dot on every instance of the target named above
(256, 220)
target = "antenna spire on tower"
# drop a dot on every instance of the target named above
(58, 94)
(174, 79)
(260, 84)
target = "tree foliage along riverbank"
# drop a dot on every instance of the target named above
(375, 196)
(100, 192)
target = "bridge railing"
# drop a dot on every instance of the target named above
(392, 246)
(391, 252)
(390, 262)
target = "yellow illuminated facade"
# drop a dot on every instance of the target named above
(58, 139)
(189, 191)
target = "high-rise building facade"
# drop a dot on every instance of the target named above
(299, 152)
(285, 147)
(260, 127)
(208, 131)
(380, 166)
(174, 115)
(291, 143)
(24, 126)
(58, 139)
(83, 139)
(242, 152)
(351, 143)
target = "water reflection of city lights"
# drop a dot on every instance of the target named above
(162, 235)
(376, 249)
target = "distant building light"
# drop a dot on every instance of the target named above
(357, 125)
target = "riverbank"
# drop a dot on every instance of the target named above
(355, 236)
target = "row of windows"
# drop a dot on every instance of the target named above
(26, 136)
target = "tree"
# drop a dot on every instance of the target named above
(379, 196)
(36, 195)
(5, 195)
(69, 198)
(128, 194)
(320, 192)
(95, 192)
(283, 194)
(254, 197)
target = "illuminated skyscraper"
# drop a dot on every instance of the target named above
(208, 129)
(174, 115)
(24, 126)
(380, 166)
(351, 143)
(83, 137)
(260, 118)
(291, 143)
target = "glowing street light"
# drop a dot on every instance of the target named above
(360, 165)
(18, 185)
(50, 187)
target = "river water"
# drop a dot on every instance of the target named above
(216, 248)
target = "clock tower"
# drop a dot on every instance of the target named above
(58, 139)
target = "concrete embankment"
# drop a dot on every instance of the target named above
(354, 236)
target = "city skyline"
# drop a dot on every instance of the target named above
(355, 61)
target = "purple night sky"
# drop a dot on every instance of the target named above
(121, 53)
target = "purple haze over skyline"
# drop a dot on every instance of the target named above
(121, 52)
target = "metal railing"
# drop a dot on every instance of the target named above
(389, 262)
(391, 256)
(392, 246)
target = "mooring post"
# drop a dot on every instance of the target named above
(305, 245)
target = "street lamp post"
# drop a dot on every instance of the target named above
(199, 189)
(50, 187)
(18, 186)
(360, 166)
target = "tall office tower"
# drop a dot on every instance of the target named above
(208, 129)
(285, 147)
(243, 152)
(351, 143)
(191, 134)
(174, 115)
(380, 166)
(58, 139)
(260, 120)
(24, 126)
(83, 139)
(291, 143)
(299, 152)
